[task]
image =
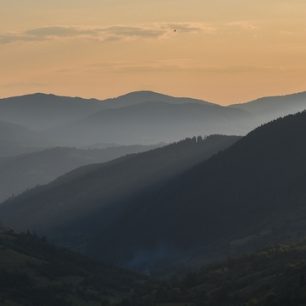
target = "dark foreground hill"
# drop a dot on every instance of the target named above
(272, 277)
(32, 272)
(247, 196)
(66, 208)
(22, 172)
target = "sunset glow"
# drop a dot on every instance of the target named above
(225, 51)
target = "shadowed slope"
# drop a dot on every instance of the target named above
(271, 277)
(32, 272)
(23, 172)
(88, 195)
(250, 195)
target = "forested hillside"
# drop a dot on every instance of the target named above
(32, 272)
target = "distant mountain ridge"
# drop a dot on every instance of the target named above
(137, 97)
(69, 121)
(269, 108)
(16, 139)
(22, 172)
(149, 122)
(42, 111)
(50, 110)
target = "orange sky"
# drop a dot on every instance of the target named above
(224, 51)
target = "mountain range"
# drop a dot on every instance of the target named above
(137, 118)
(187, 203)
(243, 198)
(65, 208)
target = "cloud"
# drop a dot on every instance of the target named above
(110, 33)
(244, 25)
(191, 27)
(179, 65)
(123, 32)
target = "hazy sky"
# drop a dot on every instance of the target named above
(220, 50)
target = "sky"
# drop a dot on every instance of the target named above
(225, 51)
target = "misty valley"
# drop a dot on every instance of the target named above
(152, 200)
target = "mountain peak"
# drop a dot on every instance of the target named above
(145, 96)
(41, 94)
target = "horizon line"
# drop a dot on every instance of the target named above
(152, 92)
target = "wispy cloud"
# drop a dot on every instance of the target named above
(243, 24)
(110, 33)
(178, 65)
